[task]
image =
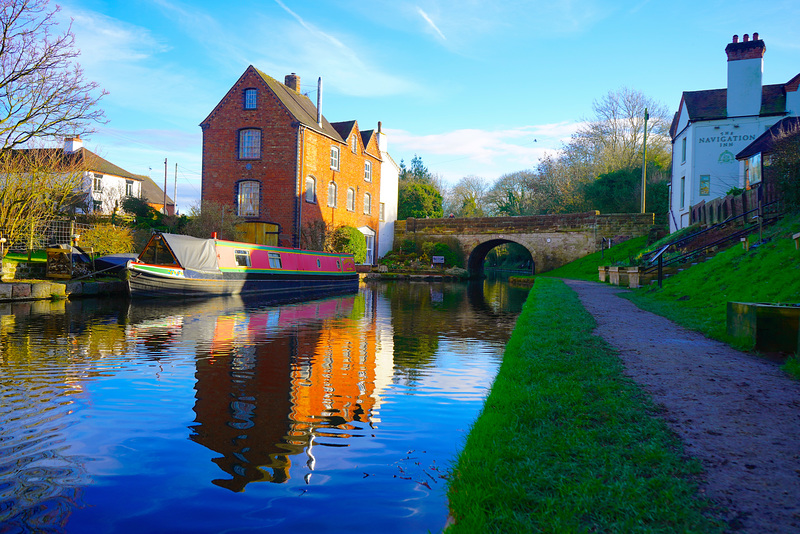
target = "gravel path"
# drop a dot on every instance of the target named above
(735, 412)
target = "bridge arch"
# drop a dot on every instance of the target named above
(479, 252)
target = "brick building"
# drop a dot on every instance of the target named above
(270, 154)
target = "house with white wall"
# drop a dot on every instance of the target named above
(390, 183)
(712, 126)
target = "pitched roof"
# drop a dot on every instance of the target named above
(85, 158)
(299, 106)
(764, 142)
(344, 128)
(151, 192)
(712, 104)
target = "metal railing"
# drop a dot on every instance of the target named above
(41, 236)
(763, 218)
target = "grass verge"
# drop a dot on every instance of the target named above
(566, 443)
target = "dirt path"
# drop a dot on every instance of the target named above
(738, 414)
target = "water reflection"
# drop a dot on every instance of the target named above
(95, 395)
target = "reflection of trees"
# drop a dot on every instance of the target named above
(47, 350)
(422, 313)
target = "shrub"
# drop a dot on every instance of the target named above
(349, 240)
(107, 239)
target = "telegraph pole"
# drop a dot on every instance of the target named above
(175, 194)
(644, 163)
(165, 186)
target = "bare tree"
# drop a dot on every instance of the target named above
(466, 198)
(36, 185)
(613, 138)
(43, 93)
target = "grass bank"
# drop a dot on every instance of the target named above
(566, 443)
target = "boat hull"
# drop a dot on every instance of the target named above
(145, 284)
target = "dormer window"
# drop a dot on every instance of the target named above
(250, 98)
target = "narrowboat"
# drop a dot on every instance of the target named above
(180, 266)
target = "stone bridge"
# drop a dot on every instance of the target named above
(552, 240)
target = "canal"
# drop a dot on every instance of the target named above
(334, 415)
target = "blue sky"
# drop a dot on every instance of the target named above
(473, 87)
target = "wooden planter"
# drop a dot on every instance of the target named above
(768, 327)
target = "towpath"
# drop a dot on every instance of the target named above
(735, 412)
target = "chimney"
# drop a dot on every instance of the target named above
(381, 138)
(745, 72)
(292, 81)
(72, 144)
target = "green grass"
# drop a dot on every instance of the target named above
(586, 268)
(697, 297)
(567, 443)
(36, 256)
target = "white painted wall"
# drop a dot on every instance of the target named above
(390, 176)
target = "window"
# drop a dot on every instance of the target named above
(250, 98)
(97, 205)
(332, 194)
(98, 182)
(335, 158)
(683, 150)
(354, 144)
(128, 188)
(351, 199)
(683, 190)
(381, 211)
(367, 203)
(274, 260)
(705, 185)
(368, 171)
(370, 239)
(242, 257)
(248, 199)
(311, 189)
(249, 144)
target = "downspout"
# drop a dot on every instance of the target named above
(298, 207)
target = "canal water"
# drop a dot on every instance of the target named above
(223, 415)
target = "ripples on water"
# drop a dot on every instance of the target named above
(339, 415)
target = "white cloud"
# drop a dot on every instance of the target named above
(488, 153)
(431, 23)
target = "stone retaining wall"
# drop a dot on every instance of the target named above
(47, 290)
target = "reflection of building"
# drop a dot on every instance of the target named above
(711, 127)
(272, 383)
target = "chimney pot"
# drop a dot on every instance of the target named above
(755, 36)
(735, 38)
(746, 38)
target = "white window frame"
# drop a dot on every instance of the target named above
(250, 143)
(311, 189)
(250, 98)
(335, 158)
(367, 204)
(351, 199)
(128, 188)
(381, 212)
(333, 190)
(354, 144)
(97, 183)
(248, 198)
(367, 171)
